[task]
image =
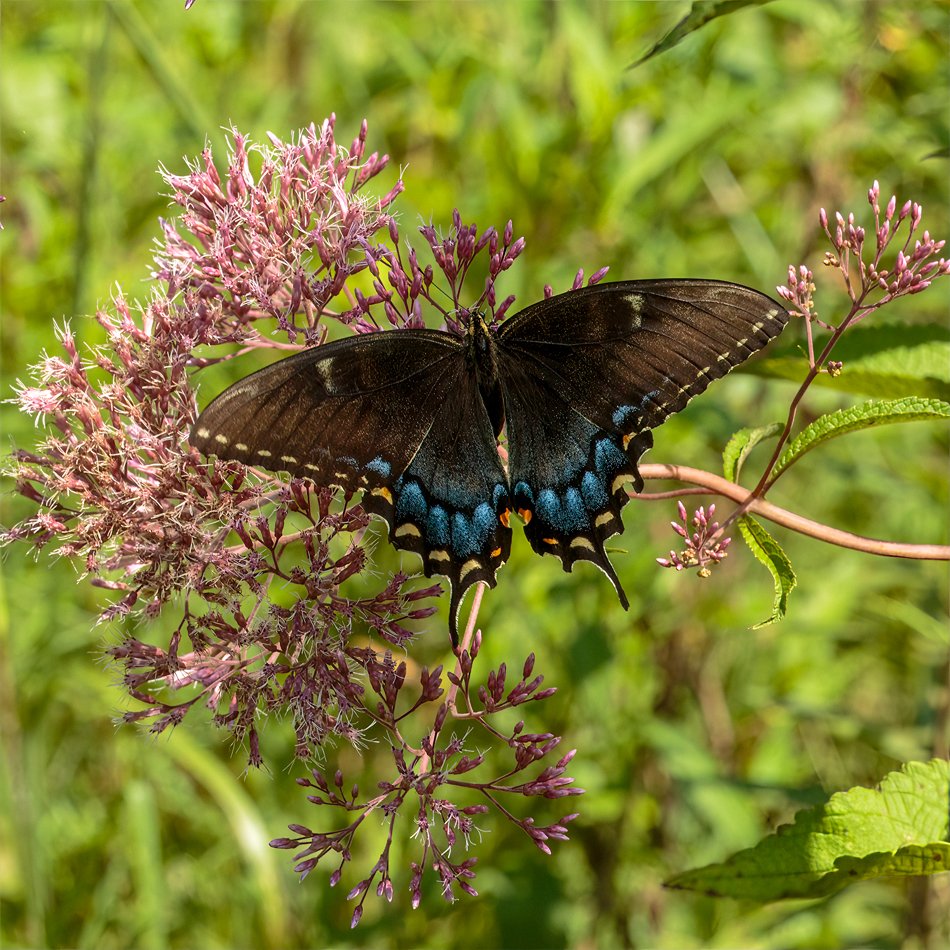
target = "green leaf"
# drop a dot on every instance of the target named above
(900, 828)
(885, 360)
(767, 550)
(701, 12)
(865, 416)
(741, 444)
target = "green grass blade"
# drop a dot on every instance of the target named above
(246, 827)
(700, 13)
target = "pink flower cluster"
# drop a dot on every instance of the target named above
(870, 278)
(257, 565)
(426, 775)
(703, 546)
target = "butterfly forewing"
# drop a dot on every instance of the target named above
(330, 411)
(630, 354)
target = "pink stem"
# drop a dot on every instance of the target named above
(814, 529)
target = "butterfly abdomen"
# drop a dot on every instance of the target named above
(481, 353)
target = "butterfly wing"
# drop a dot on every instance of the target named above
(397, 415)
(586, 376)
(567, 473)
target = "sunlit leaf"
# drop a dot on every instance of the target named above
(887, 360)
(865, 416)
(741, 444)
(768, 551)
(900, 828)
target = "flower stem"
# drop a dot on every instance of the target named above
(453, 688)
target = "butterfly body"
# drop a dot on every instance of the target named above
(412, 417)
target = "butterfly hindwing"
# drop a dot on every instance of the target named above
(451, 503)
(569, 476)
(588, 374)
(397, 415)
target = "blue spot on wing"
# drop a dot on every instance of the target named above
(608, 459)
(575, 514)
(483, 521)
(547, 506)
(379, 466)
(523, 492)
(594, 492)
(624, 415)
(470, 533)
(410, 503)
(621, 414)
(437, 527)
(566, 515)
(463, 537)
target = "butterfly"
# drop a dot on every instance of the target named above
(412, 417)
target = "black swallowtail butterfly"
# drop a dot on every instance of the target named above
(412, 417)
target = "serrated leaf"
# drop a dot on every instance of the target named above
(884, 360)
(741, 444)
(914, 860)
(769, 552)
(701, 12)
(899, 828)
(865, 416)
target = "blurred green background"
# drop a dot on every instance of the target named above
(696, 734)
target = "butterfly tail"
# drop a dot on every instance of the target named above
(604, 564)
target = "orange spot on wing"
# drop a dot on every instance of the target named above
(497, 551)
(505, 517)
(549, 540)
(525, 514)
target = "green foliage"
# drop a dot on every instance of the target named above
(741, 444)
(866, 415)
(899, 829)
(695, 735)
(881, 359)
(767, 551)
(700, 13)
